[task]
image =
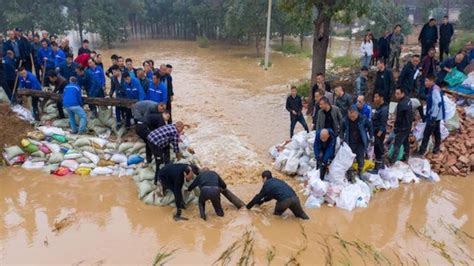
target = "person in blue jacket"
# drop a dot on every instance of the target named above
(45, 59)
(9, 72)
(72, 101)
(59, 55)
(29, 81)
(363, 108)
(134, 91)
(68, 68)
(86, 81)
(324, 149)
(157, 90)
(97, 90)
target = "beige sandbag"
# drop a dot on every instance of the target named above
(55, 158)
(83, 141)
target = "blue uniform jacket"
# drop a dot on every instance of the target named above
(9, 66)
(30, 82)
(48, 53)
(99, 76)
(157, 92)
(67, 71)
(72, 95)
(59, 58)
(134, 90)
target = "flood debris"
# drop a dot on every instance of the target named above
(163, 256)
(303, 247)
(271, 255)
(63, 223)
(246, 241)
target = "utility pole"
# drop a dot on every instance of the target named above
(267, 40)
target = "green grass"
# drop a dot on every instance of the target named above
(202, 41)
(345, 61)
(293, 49)
(262, 63)
(460, 41)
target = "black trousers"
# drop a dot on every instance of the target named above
(401, 138)
(143, 131)
(359, 150)
(296, 119)
(8, 88)
(443, 49)
(425, 47)
(293, 204)
(323, 168)
(379, 147)
(59, 105)
(432, 128)
(162, 156)
(121, 113)
(214, 195)
(35, 105)
(168, 107)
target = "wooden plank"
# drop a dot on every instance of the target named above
(87, 100)
(469, 96)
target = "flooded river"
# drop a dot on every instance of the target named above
(236, 112)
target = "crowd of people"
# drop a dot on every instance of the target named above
(389, 46)
(31, 62)
(335, 113)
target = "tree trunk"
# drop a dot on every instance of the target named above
(320, 43)
(301, 40)
(80, 23)
(282, 39)
(257, 44)
(349, 47)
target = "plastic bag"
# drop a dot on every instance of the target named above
(400, 153)
(83, 171)
(401, 171)
(71, 164)
(12, 152)
(318, 187)
(341, 163)
(36, 135)
(43, 148)
(53, 147)
(119, 158)
(453, 123)
(23, 113)
(62, 171)
(334, 190)
(376, 181)
(134, 159)
(101, 171)
(32, 165)
(313, 202)
(455, 77)
(25, 142)
(59, 138)
(94, 158)
(50, 131)
(31, 148)
(354, 195)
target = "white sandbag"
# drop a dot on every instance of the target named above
(83, 141)
(341, 163)
(443, 130)
(71, 164)
(87, 165)
(389, 176)
(53, 147)
(291, 166)
(300, 138)
(125, 147)
(354, 195)
(101, 171)
(184, 144)
(139, 145)
(23, 113)
(303, 168)
(32, 165)
(72, 155)
(469, 110)
(119, 158)
(376, 181)
(48, 168)
(453, 123)
(273, 152)
(449, 107)
(313, 202)
(146, 174)
(317, 187)
(39, 154)
(51, 109)
(38, 159)
(112, 146)
(99, 142)
(49, 117)
(144, 188)
(62, 123)
(83, 159)
(49, 131)
(88, 149)
(13, 151)
(420, 167)
(94, 158)
(333, 192)
(55, 158)
(280, 161)
(292, 145)
(400, 170)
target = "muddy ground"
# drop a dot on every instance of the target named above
(236, 110)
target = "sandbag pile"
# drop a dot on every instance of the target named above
(296, 157)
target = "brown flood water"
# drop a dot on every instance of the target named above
(236, 111)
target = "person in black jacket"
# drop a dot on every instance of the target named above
(428, 36)
(379, 124)
(294, 106)
(344, 100)
(84, 48)
(403, 124)
(210, 185)
(172, 177)
(384, 47)
(146, 125)
(446, 32)
(383, 81)
(408, 76)
(285, 196)
(59, 84)
(8, 76)
(320, 84)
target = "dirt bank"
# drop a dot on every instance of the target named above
(12, 128)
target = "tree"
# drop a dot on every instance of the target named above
(325, 11)
(384, 15)
(299, 18)
(75, 10)
(466, 19)
(105, 19)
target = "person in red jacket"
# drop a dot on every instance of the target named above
(83, 59)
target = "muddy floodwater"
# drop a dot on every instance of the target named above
(236, 112)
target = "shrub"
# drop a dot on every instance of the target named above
(460, 41)
(262, 62)
(202, 41)
(303, 88)
(345, 61)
